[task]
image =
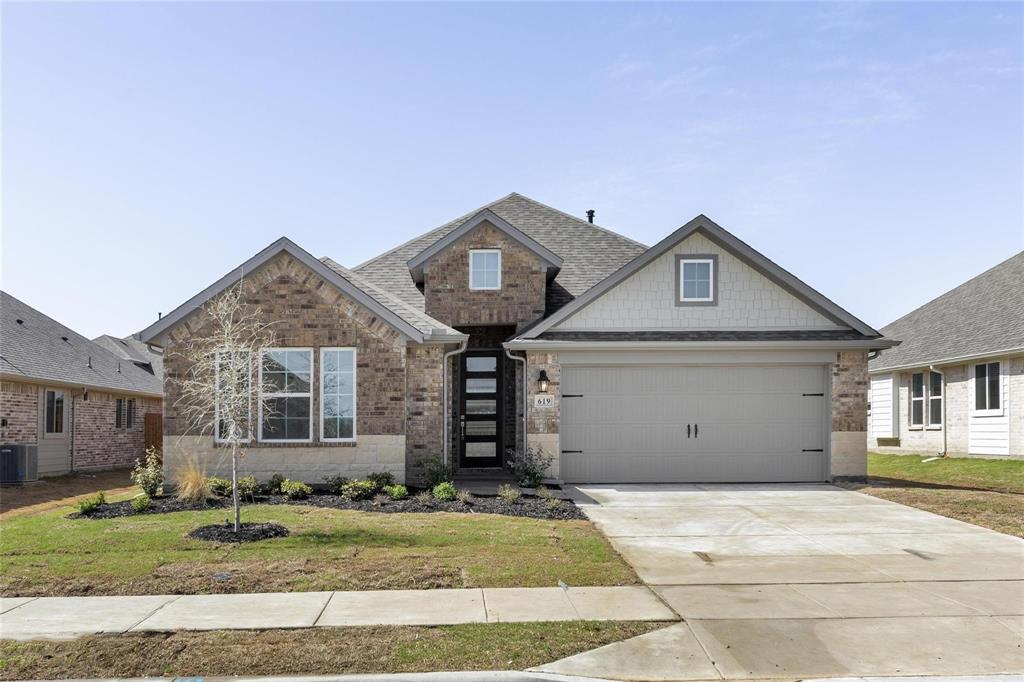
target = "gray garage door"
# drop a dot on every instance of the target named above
(746, 424)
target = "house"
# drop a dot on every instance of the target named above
(83, 406)
(955, 384)
(519, 326)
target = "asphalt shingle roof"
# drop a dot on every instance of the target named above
(408, 312)
(130, 348)
(982, 315)
(42, 349)
(590, 253)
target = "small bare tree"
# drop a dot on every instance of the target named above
(221, 387)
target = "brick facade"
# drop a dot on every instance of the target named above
(19, 405)
(520, 300)
(424, 409)
(97, 442)
(850, 391)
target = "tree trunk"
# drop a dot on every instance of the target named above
(234, 488)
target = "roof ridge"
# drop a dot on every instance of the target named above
(950, 291)
(430, 232)
(578, 219)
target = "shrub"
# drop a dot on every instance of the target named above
(543, 493)
(295, 490)
(381, 498)
(248, 486)
(397, 491)
(141, 503)
(335, 484)
(530, 467)
(191, 484)
(552, 503)
(91, 504)
(445, 492)
(221, 487)
(464, 496)
(359, 490)
(424, 496)
(436, 471)
(274, 484)
(509, 494)
(148, 474)
(381, 479)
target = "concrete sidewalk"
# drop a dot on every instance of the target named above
(70, 617)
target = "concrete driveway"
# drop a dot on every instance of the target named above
(807, 581)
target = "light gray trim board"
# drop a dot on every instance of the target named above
(153, 333)
(542, 345)
(552, 260)
(726, 240)
(959, 360)
(680, 257)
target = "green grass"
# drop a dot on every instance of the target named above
(328, 549)
(962, 472)
(491, 646)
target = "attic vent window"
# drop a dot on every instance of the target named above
(697, 279)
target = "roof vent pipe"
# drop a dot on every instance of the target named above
(590, 215)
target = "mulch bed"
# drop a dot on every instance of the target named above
(247, 532)
(529, 507)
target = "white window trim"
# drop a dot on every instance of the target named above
(475, 251)
(355, 395)
(929, 398)
(216, 403)
(998, 412)
(264, 396)
(923, 400)
(711, 280)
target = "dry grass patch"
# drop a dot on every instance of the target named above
(314, 651)
(1003, 512)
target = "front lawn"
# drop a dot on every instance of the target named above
(314, 651)
(328, 549)
(985, 492)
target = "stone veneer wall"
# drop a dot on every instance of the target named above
(849, 414)
(543, 423)
(19, 405)
(97, 443)
(520, 300)
(307, 312)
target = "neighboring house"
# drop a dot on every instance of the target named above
(81, 404)
(518, 326)
(955, 384)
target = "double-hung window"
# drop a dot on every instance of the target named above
(233, 406)
(934, 400)
(987, 388)
(337, 394)
(917, 399)
(696, 280)
(286, 395)
(485, 269)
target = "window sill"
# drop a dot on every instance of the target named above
(987, 413)
(916, 428)
(934, 428)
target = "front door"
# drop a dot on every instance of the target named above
(480, 410)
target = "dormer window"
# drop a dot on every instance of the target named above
(697, 280)
(485, 269)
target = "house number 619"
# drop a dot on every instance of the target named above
(543, 401)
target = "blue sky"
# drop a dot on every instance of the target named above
(874, 150)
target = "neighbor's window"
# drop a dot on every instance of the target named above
(286, 395)
(233, 405)
(697, 280)
(119, 413)
(917, 399)
(55, 411)
(337, 394)
(934, 399)
(485, 269)
(986, 386)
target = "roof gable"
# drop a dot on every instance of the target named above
(982, 316)
(701, 225)
(485, 216)
(377, 301)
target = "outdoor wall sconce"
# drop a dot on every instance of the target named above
(542, 381)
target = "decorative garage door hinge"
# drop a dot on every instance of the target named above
(819, 395)
(572, 452)
(572, 395)
(812, 450)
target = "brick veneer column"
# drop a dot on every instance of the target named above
(849, 414)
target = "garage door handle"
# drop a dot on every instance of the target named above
(687, 430)
(694, 430)
(572, 452)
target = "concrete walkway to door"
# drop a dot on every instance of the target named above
(807, 580)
